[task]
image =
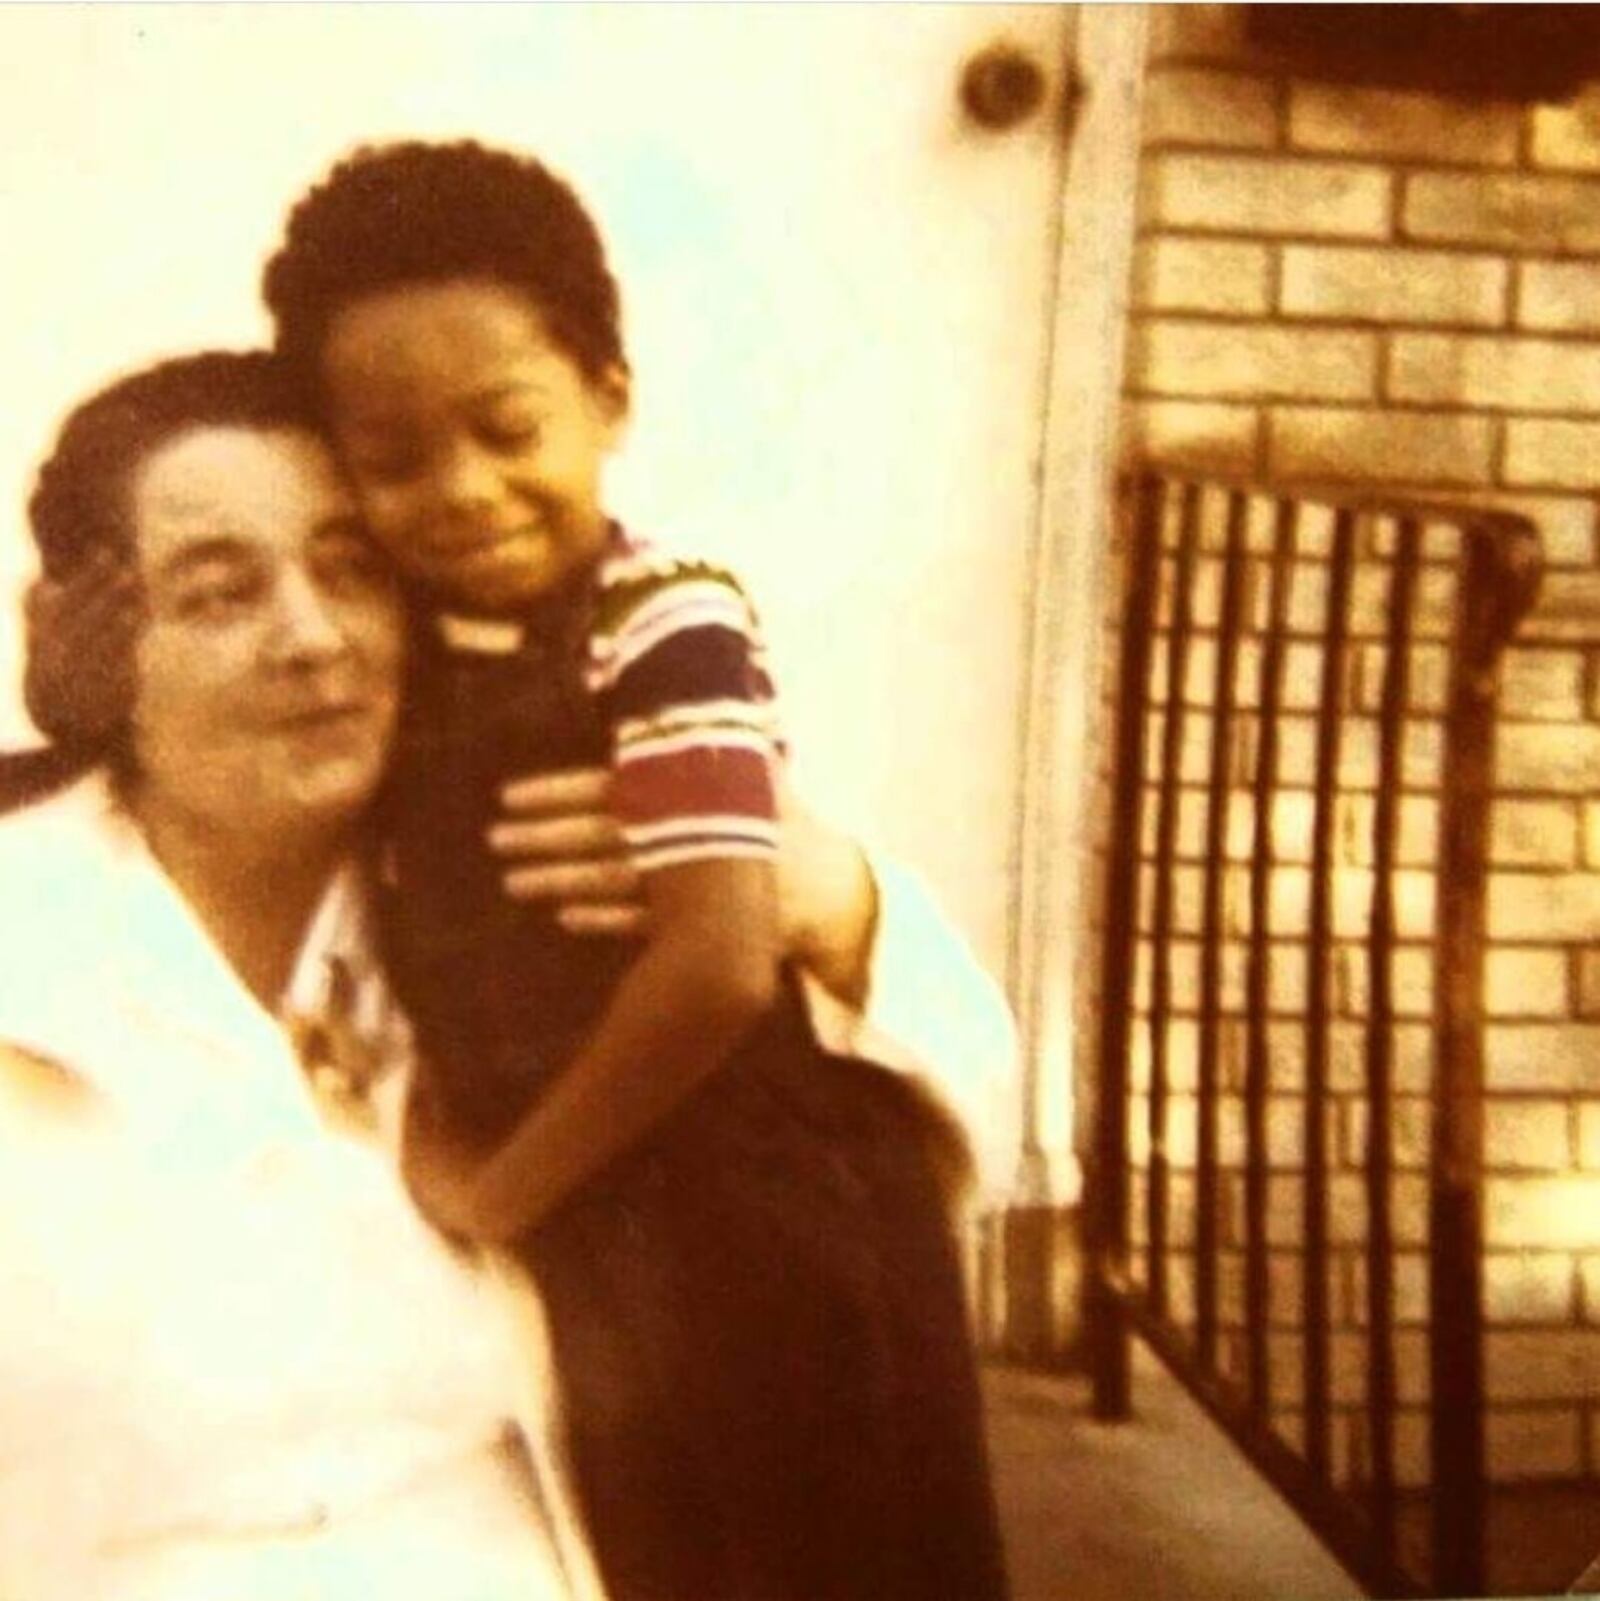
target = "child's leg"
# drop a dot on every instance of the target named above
(649, 1504)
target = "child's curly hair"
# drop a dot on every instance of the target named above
(395, 214)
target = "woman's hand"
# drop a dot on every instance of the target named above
(561, 844)
(82, 635)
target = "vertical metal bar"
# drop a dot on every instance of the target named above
(1107, 1190)
(1318, 954)
(1219, 789)
(1158, 1187)
(1380, 1035)
(1455, 1326)
(1257, 1071)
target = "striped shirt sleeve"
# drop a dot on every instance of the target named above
(677, 664)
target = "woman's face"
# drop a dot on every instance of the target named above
(268, 671)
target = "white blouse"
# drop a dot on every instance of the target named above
(234, 1361)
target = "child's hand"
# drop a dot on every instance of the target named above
(439, 1168)
(82, 634)
(560, 844)
(443, 1190)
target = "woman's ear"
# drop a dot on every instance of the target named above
(614, 386)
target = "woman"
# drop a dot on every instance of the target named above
(235, 1361)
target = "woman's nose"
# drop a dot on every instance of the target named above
(306, 628)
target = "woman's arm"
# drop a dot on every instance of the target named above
(561, 844)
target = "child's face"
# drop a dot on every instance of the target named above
(475, 442)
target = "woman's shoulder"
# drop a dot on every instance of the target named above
(58, 835)
(62, 862)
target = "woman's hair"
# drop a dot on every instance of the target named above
(398, 214)
(80, 505)
(81, 510)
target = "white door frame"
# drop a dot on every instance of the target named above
(1065, 625)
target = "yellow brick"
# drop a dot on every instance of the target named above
(1413, 1060)
(1285, 1209)
(1413, 1457)
(1535, 1443)
(1524, 983)
(1555, 1366)
(1286, 1366)
(1350, 1364)
(1528, 1287)
(1225, 361)
(1253, 194)
(1567, 609)
(1523, 213)
(1415, 842)
(1567, 137)
(1359, 284)
(1349, 1452)
(1561, 758)
(1589, 1143)
(1528, 375)
(1561, 296)
(1408, 1209)
(1202, 275)
(1410, 978)
(1589, 1286)
(1533, 833)
(1527, 1136)
(1383, 122)
(1197, 106)
(1542, 684)
(1293, 821)
(1201, 436)
(1410, 1120)
(1550, 1058)
(1393, 446)
(1413, 899)
(1553, 454)
(1410, 1288)
(1544, 907)
(1543, 1213)
(1286, 980)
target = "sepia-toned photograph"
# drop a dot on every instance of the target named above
(799, 802)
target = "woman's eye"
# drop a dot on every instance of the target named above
(353, 564)
(215, 600)
(386, 469)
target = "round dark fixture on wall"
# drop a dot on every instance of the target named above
(1002, 86)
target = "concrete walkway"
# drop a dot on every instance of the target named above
(1160, 1509)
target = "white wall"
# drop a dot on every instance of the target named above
(835, 293)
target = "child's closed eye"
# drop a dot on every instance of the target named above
(509, 431)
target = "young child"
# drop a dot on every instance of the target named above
(744, 1244)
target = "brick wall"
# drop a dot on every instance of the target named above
(1337, 284)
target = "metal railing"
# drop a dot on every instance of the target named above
(1303, 747)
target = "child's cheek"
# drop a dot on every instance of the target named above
(389, 516)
